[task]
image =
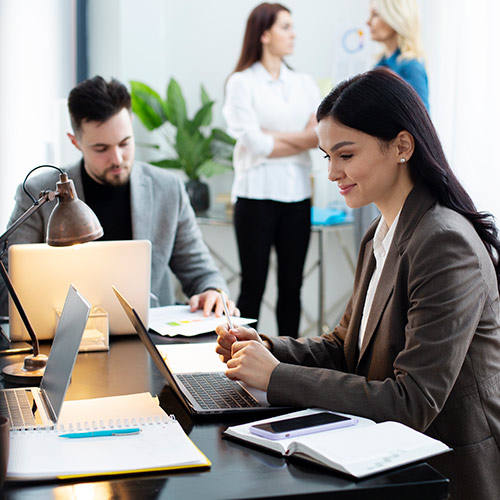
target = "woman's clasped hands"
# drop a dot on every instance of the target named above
(246, 356)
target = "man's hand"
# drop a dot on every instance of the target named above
(211, 301)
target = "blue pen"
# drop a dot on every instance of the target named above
(110, 432)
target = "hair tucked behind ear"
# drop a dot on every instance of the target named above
(381, 104)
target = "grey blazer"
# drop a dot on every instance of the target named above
(161, 213)
(430, 356)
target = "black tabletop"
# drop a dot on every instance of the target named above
(238, 471)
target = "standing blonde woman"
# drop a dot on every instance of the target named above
(270, 110)
(396, 24)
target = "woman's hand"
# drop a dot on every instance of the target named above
(226, 338)
(252, 363)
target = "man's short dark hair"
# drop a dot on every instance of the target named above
(96, 100)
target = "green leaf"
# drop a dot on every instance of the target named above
(193, 150)
(221, 136)
(175, 105)
(211, 167)
(204, 96)
(205, 99)
(147, 105)
(202, 118)
(147, 145)
(168, 163)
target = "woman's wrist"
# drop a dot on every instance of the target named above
(267, 342)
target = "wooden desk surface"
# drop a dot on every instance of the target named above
(237, 472)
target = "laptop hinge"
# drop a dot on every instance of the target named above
(48, 407)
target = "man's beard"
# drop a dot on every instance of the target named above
(115, 180)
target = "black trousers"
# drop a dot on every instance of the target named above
(259, 225)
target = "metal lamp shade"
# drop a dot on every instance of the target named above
(71, 220)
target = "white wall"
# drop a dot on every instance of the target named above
(37, 67)
(463, 47)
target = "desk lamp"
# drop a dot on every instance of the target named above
(70, 222)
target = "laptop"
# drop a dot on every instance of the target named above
(203, 392)
(92, 268)
(32, 407)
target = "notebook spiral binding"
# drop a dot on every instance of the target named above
(94, 425)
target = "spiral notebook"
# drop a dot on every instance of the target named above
(158, 442)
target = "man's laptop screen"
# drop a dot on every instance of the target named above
(41, 276)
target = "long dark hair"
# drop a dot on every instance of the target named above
(381, 104)
(261, 19)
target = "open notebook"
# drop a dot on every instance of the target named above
(361, 450)
(156, 442)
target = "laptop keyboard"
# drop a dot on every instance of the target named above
(15, 405)
(214, 391)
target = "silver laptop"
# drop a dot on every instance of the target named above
(31, 407)
(92, 268)
(202, 392)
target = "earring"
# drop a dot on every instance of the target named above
(402, 160)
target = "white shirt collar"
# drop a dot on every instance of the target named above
(383, 237)
(263, 73)
(381, 243)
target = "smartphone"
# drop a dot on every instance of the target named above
(297, 426)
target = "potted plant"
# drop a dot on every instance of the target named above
(199, 149)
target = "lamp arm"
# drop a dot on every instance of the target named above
(20, 310)
(44, 198)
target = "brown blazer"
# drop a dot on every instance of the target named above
(430, 357)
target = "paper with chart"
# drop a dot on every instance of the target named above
(178, 320)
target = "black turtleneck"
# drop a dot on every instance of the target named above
(111, 204)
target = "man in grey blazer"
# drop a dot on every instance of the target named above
(133, 200)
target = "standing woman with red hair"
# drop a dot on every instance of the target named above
(270, 110)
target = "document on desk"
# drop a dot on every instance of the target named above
(178, 320)
(146, 439)
(361, 450)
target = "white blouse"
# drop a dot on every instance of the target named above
(255, 101)
(381, 243)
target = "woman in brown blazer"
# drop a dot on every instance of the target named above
(419, 341)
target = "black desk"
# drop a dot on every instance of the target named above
(238, 472)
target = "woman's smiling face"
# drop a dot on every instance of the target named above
(365, 170)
